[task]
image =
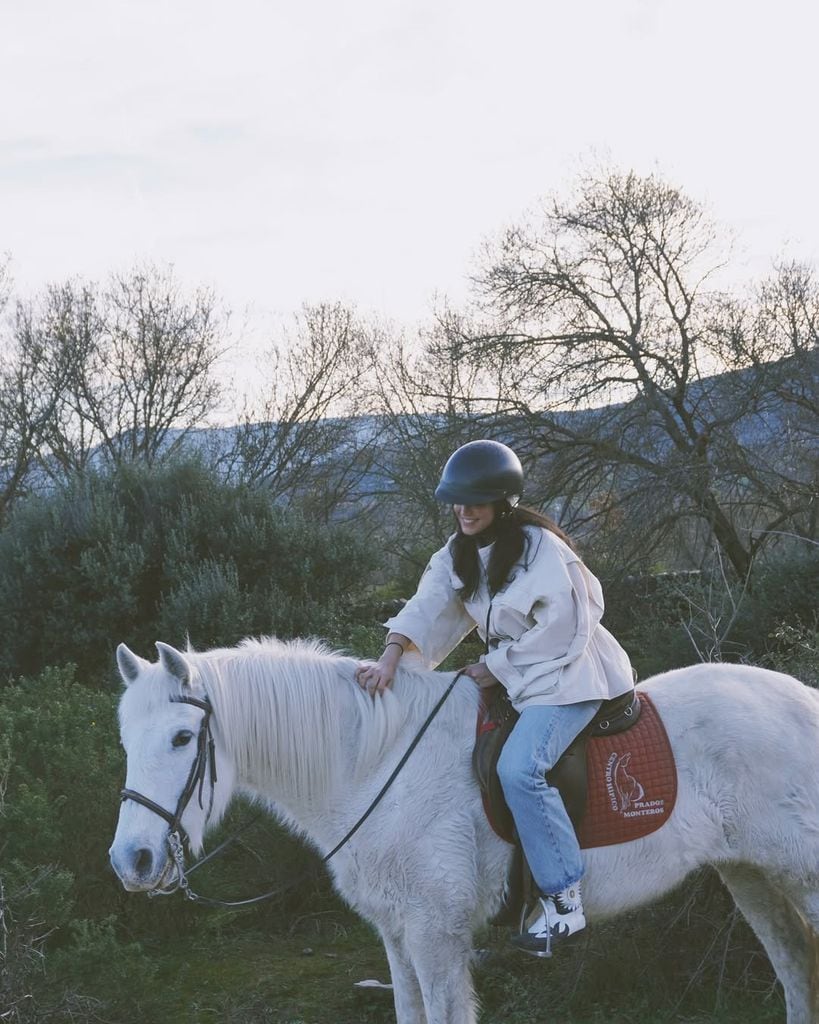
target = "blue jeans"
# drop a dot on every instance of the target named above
(539, 737)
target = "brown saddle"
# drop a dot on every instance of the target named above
(497, 718)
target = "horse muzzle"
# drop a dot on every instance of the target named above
(139, 868)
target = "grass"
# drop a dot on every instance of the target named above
(306, 977)
(688, 959)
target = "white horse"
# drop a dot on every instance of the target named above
(295, 732)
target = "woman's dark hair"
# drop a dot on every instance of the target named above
(510, 541)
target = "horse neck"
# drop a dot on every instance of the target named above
(301, 733)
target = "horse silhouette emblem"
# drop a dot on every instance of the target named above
(627, 789)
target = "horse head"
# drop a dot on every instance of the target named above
(177, 780)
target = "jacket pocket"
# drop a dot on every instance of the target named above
(513, 614)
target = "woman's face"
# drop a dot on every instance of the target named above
(474, 519)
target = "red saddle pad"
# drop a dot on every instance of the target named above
(632, 782)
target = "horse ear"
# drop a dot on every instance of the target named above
(129, 664)
(174, 662)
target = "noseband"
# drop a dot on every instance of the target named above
(203, 766)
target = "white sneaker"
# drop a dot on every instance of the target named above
(557, 918)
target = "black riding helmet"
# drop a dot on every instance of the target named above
(479, 473)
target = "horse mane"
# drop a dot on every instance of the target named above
(287, 711)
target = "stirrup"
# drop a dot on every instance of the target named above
(555, 918)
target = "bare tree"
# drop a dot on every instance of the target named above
(159, 349)
(431, 398)
(5, 280)
(418, 432)
(29, 396)
(66, 327)
(308, 439)
(613, 348)
(111, 374)
(780, 348)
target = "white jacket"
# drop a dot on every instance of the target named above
(546, 642)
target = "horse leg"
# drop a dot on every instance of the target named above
(441, 961)
(782, 931)
(409, 1003)
(806, 902)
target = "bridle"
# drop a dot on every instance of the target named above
(204, 764)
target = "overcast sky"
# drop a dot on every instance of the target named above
(361, 149)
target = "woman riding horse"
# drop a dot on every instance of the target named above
(514, 574)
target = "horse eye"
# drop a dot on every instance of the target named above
(182, 739)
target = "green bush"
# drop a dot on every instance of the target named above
(167, 553)
(62, 769)
(796, 652)
(23, 931)
(673, 619)
(94, 949)
(647, 615)
(780, 605)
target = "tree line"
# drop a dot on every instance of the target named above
(659, 413)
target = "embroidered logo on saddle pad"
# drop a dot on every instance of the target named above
(632, 782)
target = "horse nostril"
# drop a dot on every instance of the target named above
(143, 862)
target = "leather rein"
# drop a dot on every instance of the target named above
(204, 766)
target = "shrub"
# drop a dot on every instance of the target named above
(672, 619)
(781, 604)
(796, 652)
(59, 769)
(166, 552)
(62, 767)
